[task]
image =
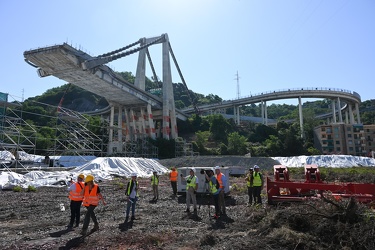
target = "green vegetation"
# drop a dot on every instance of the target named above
(31, 189)
(210, 135)
(17, 189)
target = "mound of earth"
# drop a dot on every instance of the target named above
(35, 220)
(212, 161)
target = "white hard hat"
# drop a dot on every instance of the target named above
(217, 168)
(133, 174)
(256, 166)
(192, 169)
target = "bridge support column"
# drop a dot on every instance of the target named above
(119, 129)
(169, 112)
(339, 107)
(128, 132)
(133, 124)
(262, 111)
(140, 76)
(357, 112)
(265, 113)
(142, 123)
(351, 116)
(300, 116)
(150, 121)
(333, 111)
(110, 135)
(236, 115)
(346, 117)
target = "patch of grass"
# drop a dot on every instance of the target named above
(31, 189)
(17, 189)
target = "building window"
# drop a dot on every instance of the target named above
(350, 142)
(349, 135)
(338, 149)
(336, 136)
(349, 129)
(351, 148)
(337, 142)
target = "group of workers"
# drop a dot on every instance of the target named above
(86, 192)
(254, 182)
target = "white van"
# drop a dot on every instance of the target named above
(202, 184)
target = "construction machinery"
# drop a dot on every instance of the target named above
(282, 189)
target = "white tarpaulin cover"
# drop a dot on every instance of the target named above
(105, 168)
(332, 161)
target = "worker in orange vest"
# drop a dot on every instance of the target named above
(222, 179)
(91, 198)
(76, 199)
(173, 178)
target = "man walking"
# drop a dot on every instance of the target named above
(91, 198)
(76, 198)
(132, 193)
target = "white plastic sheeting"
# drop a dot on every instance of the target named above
(332, 161)
(102, 168)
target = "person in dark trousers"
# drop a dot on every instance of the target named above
(257, 185)
(173, 178)
(214, 191)
(91, 198)
(132, 196)
(76, 198)
(249, 183)
(155, 185)
(222, 179)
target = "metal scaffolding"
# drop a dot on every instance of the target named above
(16, 134)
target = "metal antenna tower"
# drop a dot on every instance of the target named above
(238, 85)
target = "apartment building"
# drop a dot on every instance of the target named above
(346, 139)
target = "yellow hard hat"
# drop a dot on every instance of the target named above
(81, 176)
(89, 178)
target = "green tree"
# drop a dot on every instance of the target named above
(220, 127)
(237, 144)
(202, 138)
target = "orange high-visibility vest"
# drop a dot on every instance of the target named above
(173, 175)
(218, 177)
(76, 195)
(91, 198)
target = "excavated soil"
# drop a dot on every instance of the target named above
(34, 220)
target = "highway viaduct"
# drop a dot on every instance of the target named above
(135, 113)
(342, 101)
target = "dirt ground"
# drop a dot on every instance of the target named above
(34, 220)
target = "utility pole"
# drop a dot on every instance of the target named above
(238, 85)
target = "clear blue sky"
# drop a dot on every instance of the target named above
(273, 44)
